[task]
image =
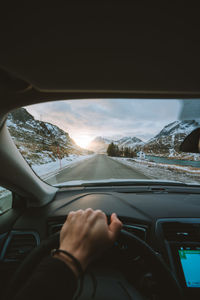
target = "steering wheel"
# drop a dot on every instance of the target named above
(168, 284)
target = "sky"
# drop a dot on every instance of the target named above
(86, 119)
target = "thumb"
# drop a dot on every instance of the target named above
(114, 227)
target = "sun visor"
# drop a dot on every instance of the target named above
(12, 84)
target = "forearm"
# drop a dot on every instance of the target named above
(51, 280)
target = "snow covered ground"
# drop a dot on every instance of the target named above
(3, 192)
(52, 168)
(153, 170)
(5, 199)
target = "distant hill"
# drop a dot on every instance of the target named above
(38, 141)
(130, 142)
(100, 144)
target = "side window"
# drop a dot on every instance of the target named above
(5, 200)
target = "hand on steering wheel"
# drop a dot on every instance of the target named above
(86, 234)
(89, 236)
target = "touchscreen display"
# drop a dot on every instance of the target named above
(190, 261)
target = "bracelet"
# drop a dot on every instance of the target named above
(76, 262)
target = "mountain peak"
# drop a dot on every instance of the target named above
(184, 126)
(20, 115)
(100, 143)
(169, 139)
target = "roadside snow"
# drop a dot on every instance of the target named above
(5, 200)
(4, 192)
(52, 168)
(160, 171)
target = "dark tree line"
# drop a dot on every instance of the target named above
(114, 150)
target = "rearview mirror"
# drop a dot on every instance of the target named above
(192, 142)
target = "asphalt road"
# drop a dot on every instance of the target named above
(97, 167)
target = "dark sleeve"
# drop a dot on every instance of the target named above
(52, 279)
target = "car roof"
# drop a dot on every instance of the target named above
(87, 49)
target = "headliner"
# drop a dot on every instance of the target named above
(87, 49)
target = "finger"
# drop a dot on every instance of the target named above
(100, 214)
(70, 215)
(88, 211)
(68, 220)
(96, 216)
(115, 218)
(77, 216)
(79, 212)
(114, 227)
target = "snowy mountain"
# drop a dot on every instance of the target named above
(130, 142)
(168, 140)
(40, 142)
(100, 144)
(165, 143)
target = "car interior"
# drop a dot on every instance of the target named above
(101, 50)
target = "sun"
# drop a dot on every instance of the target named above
(83, 141)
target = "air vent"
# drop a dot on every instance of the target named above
(179, 232)
(54, 228)
(137, 230)
(19, 245)
(55, 225)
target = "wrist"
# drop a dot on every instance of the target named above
(79, 254)
(68, 261)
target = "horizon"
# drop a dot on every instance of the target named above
(85, 120)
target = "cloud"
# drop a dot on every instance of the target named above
(107, 117)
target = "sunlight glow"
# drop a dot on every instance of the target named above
(83, 141)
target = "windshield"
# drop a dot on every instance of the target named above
(72, 142)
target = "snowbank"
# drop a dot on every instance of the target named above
(3, 192)
(5, 200)
(153, 170)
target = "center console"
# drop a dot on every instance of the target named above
(179, 242)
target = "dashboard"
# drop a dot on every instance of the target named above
(166, 218)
